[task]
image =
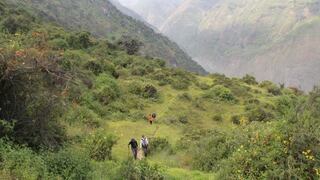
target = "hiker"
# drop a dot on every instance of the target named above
(144, 145)
(151, 118)
(134, 147)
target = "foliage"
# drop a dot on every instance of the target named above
(131, 46)
(69, 164)
(249, 79)
(100, 146)
(158, 144)
(209, 151)
(217, 118)
(220, 93)
(140, 170)
(106, 89)
(21, 163)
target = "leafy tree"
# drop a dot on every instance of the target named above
(130, 45)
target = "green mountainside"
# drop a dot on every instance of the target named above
(70, 103)
(102, 19)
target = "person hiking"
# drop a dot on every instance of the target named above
(134, 147)
(151, 118)
(144, 144)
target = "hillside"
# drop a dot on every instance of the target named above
(70, 103)
(155, 12)
(104, 20)
(273, 40)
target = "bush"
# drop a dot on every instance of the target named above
(249, 80)
(275, 90)
(146, 91)
(131, 46)
(183, 119)
(80, 40)
(236, 119)
(158, 144)
(259, 114)
(21, 163)
(140, 170)
(150, 92)
(15, 23)
(180, 84)
(69, 164)
(106, 89)
(217, 118)
(220, 93)
(100, 146)
(210, 151)
(286, 104)
(58, 44)
(139, 71)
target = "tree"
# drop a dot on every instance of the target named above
(130, 45)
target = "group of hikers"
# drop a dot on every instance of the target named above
(144, 143)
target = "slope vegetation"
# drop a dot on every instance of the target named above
(70, 103)
(102, 19)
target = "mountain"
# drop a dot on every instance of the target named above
(274, 40)
(101, 18)
(154, 12)
(70, 103)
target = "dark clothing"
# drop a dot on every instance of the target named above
(134, 147)
(145, 150)
(133, 143)
(134, 152)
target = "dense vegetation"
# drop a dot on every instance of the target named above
(102, 19)
(70, 103)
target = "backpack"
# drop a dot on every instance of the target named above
(144, 142)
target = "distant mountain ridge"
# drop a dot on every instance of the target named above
(103, 19)
(271, 39)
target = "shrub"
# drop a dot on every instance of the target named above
(100, 146)
(275, 90)
(106, 89)
(236, 119)
(21, 163)
(140, 170)
(139, 71)
(220, 93)
(58, 44)
(249, 79)
(69, 164)
(286, 104)
(15, 23)
(259, 114)
(183, 119)
(131, 46)
(136, 88)
(80, 40)
(180, 84)
(217, 118)
(210, 151)
(159, 144)
(150, 92)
